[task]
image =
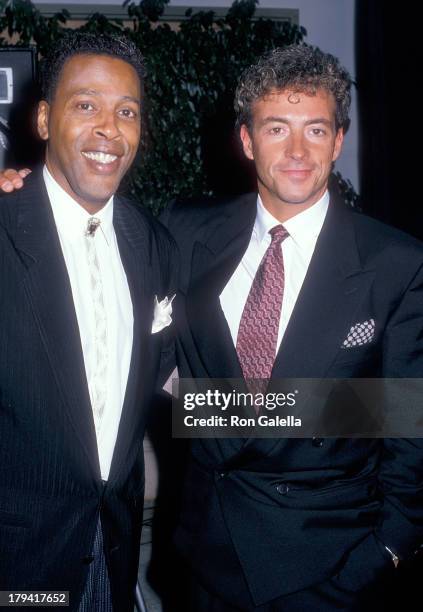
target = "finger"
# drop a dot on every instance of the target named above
(12, 178)
(24, 172)
(6, 186)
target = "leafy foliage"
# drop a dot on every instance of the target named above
(189, 146)
(20, 18)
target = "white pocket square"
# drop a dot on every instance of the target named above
(162, 312)
(359, 334)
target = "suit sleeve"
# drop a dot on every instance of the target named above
(400, 527)
(401, 469)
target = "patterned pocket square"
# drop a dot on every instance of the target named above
(359, 334)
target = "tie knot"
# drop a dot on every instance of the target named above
(92, 224)
(278, 233)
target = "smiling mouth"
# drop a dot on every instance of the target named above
(100, 157)
(296, 169)
(297, 173)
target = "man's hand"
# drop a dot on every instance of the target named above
(12, 179)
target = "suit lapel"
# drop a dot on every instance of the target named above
(134, 241)
(48, 288)
(213, 264)
(332, 290)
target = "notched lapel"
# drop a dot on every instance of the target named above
(212, 265)
(49, 292)
(334, 287)
(134, 239)
(206, 318)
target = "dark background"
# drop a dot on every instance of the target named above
(389, 76)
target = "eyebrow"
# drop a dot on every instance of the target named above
(94, 92)
(276, 119)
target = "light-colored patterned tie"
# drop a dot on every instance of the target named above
(98, 384)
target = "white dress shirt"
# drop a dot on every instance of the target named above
(71, 223)
(297, 249)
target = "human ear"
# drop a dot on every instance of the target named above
(339, 139)
(247, 143)
(42, 119)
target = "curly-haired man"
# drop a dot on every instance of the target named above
(290, 283)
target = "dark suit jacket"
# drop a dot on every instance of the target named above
(282, 515)
(51, 492)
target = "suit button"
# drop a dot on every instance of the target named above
(282, 488)
(222, 475)
(318, 442)
(113, 549)
(88, 559)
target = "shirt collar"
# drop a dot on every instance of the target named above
(70, 217)
(303, 228)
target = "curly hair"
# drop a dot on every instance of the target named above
(84, 43)
(300, 68)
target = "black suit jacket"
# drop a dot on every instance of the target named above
(273, 516)
(51, 492)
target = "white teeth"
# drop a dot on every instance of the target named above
(98, 156)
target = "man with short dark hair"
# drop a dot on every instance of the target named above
(292, 284)
(86, 285)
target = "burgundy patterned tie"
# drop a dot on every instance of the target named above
(259, 326)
